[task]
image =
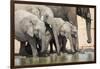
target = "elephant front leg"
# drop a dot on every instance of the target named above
(75, 44)
(44, 47)
(32, 43)
(71, 44)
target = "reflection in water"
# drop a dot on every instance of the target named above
(53, 58)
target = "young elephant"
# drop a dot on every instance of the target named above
(27, 26)
(27, 48)
(65, 29)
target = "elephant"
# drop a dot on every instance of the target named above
(85, 13)
(27, 51)
(27, 26)
(64, 28)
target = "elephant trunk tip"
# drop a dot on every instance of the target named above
(89, 41)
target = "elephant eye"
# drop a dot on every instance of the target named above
(32, 22)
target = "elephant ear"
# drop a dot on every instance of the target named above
(27, 26)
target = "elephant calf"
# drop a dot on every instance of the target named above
(65, 29)
(27, 26)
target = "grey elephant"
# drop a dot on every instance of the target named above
(65, 29)
(27, 26)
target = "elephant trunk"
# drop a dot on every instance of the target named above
(88, 29)
(43, 48)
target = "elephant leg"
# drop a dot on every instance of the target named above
(32, 43)
(43, 44)
(71, 44)
(28, 49)
(38, 45)
(44, 52)
(51, 46)
(75, 44)
(22, 50)
(38, 48)
(54, 45)
(64, 41)
(88, 29)
(60, 41)
(56, 40)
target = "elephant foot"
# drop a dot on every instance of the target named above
(59, 54)
(80, 51)
(52, 52)
(71, 52)
(64, 51)
(43, 54)
(88, 41)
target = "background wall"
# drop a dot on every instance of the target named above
(5, 34)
